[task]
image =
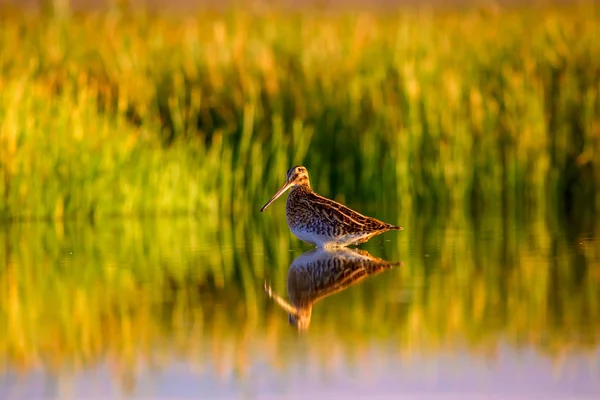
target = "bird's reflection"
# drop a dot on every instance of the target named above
(322, 272)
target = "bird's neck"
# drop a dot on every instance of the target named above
(299, 190)
(305, 185)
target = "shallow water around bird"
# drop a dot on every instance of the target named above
(497, 306)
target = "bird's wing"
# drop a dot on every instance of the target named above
(339, 214)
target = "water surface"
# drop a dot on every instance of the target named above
(498, 307)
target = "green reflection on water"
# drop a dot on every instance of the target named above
(131, 290)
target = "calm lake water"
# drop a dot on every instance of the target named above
(501, 307)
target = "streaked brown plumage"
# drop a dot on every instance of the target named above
(323, 222)
(319, 273)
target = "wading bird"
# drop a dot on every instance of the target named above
(315, 219)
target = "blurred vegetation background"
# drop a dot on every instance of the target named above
(126, 112)
(477, 129)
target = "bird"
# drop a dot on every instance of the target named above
(321, 272)
(323, 222)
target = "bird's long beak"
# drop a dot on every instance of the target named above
(290, 309)
(276, 195)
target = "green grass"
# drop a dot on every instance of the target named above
(122, 113)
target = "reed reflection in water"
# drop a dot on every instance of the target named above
(499, 305)
(319, 273)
